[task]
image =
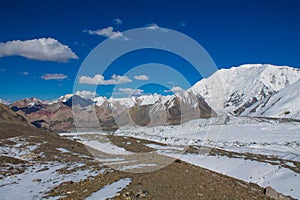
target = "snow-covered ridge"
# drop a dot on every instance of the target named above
(234, 90)
(246, 90)
(125, 102)
(117, 103)
(130, 101)
(284, 104)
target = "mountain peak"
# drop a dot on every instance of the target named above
(234, 90)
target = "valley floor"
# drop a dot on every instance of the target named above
(202, 159)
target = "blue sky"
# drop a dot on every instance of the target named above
(44, 43)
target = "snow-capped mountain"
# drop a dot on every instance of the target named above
(238, 89)
(111, 113)
(284, 104)
(181, 107)
(258, 90)
(64, 98)
(130, 101)
(54, 116)
(28, 105)
(149, 110)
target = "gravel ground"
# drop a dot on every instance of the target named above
(179, 180)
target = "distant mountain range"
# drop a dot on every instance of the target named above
(248, 90)
(112, 113)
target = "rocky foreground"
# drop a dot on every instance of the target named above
(39, 164)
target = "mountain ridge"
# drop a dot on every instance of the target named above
(9, 116)
(248, 90)
(71, 111)
(233, 91)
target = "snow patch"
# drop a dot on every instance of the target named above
(109, 191)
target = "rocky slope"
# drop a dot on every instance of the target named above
(9, 116)
(36, 164)
(53, 117)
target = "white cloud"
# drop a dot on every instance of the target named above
(107, 32)
(117, 35)
(86, 94)
(131, 92)
(98, 79)
(46, 49)
(142, 77)
(152, 26)
(117, 21)
(54, 76)
(6, 102)
(175, 89)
